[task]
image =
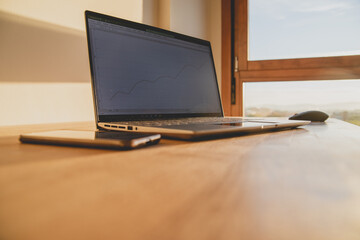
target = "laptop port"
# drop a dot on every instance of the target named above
(106, 125)
(130, 128)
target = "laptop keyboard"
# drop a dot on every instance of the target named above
(184, 121)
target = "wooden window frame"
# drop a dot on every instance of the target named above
(235, 44)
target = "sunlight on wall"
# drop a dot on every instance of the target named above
(44, 75)
(24, 103)
(71, 13)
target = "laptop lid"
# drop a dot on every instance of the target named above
(142, 72)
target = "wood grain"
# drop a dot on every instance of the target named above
(298, 184)
(226, 56)
(300, 74)
(242, 33)
(321, 62)
(240, 51)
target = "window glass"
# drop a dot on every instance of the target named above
(281, 29)
(338, 98)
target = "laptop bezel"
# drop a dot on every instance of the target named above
(143, 27)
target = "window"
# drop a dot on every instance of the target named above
(338, 98)
(241, 69)
(307, 28)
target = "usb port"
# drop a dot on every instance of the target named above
(130, 128)
(106, 125)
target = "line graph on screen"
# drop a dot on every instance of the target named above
(157, 79)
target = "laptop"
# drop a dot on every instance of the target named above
(147, 79)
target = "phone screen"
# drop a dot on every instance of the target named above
(92, 138)
(92, 135)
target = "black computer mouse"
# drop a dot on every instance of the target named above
(314, 116)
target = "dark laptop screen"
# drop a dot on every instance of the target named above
(144, 71)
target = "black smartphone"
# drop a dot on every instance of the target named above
(96, 139)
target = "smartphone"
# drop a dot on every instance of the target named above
(95, 139)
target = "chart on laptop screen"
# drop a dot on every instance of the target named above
(144, 72)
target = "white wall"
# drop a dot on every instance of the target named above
(189, 17)
(70, 13)
(197, 18)
(214, 33)
(44, 72)
(201, 19)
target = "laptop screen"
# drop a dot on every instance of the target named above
(137, 69)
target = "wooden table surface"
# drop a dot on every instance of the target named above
(296, 184)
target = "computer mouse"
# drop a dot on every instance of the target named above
(314, 116)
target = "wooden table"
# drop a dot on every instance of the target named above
(296, 184)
